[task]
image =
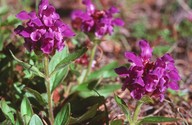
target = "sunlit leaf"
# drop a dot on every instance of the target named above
(63, 116)
(69, 59)
(7, 111)
(60, 75)
(26, 110)
(35, 120)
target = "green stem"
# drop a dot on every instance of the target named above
(136, 113)
(93, 51)
(47, 81)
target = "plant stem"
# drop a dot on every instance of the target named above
(93, 51)
(47, 81)
(137, 111)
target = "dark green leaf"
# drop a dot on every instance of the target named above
(35, 120)
(63, 117)
(117, 122)
(123, 106)
(89, 114)
(37, 96)
(69, 59)
(7, 111)
(26, 110)
(32, 68)
(157, 119)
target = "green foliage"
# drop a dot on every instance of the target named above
(116, 122)
(35, 120)
(157, 119)
(60, 75)
(63, 116)
(37, 96)
(89, 114)
(26, 110)
(123, 107)
(31, 68)
(7, 111)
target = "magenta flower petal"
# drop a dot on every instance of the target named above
(44, 31)
(146, 50)
(35, 36)
(23, 15)
(144, 77)
(118, 22)
(98, 22)
(133, 58)
(174, 85)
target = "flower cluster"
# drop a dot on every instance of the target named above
(45, 32)
(99, 22)
(145, 77)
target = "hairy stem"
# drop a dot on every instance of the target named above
(47, 83)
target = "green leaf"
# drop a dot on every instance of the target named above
(3, 10)
(123, 107)
(105, 72)
(60, 75)
(117, 122)
(32, 68)
(35, 120)
(63, 117)
(89, 114)
(26, 110)
(37, 96)
(69, 59)
(106, 90)
(157, 119)
(7, 111)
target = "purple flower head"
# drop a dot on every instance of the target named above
(145, 77)
(98, 22)
(44, 32)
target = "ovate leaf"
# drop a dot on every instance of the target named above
(69, 59)
(60, 75)
(63, 116)
(35, 120)
(26, 110)
(31, 68)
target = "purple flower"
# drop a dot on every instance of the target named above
(145, 77)
(44, 32)
(98, 22)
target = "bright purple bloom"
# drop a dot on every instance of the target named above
(45, 32)
(99, 22)
(145, 77)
